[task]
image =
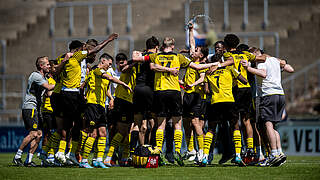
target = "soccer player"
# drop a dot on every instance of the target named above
(71, 77)
(30, 109)
(97, 92)
(272, 102)
(143, 96)
(166, 65)
(123, 105)
(192, 97)
(222, 101)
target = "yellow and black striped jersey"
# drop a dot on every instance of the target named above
(46, 105)
(237, 57)
(97, 87)
(129, 78)
(221, 83)
(165, 80)
(71, 74)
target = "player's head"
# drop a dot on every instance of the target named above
(255, 51)
(243, 47)
(75, 45)
(105, 60)
(201, 52)
(219, 47)
(168, 42)
(42, 64)
(121, 60)
(52, 63)
(91, 44)
(231, 41)
(152, 43)
(216, 57)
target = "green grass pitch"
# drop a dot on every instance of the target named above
(297, 167)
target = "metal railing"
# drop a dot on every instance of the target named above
(98, 38)
(226, 22)
(89, 4)
(296, 89)
(4, 56)
(260, 35)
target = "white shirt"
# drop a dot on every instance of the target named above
(272, 83)
(114, 73)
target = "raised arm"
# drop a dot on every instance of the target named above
(285, 66)
(192, 41)
(103, 44)
(59, 67)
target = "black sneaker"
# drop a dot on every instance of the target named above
(30, 164)
(178, 158)
(17, 162)
(282, 160)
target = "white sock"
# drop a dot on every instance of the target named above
(30, 157)
(84, 160)
(18, 154)
(108, 158)
(274, 152)
(50, 156)
(279, 151)
(99, 159)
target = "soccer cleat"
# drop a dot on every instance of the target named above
(30, 164)
(282, 160)
(61, 157)
(200, 156)
(169, 158)
(17, 162)
(263, 163)
(94, 163)
(43, 156)
(204, 161)
(100, 164)
(178, 158)
(238, 161)
(249, 157)
(190, 156)
(162, 160)
(73, 159)
(50, 160)
(85, 165)
(107, 163)
(274, 161)
(225, 159)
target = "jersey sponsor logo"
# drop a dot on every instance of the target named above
(35, 126)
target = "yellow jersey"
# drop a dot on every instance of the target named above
(71, 74)
(46, 105)
(237, 57)
(58, 86)
(165, 80)
(97, 87)
(221, 83)
(129, 78)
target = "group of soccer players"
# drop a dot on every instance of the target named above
(75, 108)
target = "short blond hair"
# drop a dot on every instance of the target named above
(167, 42)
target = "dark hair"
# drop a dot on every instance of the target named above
(152, 43)
(121, 56)
(231, 40)
(106, 56)
(219, 42)
(92, 42)
(53, 61)
(39, 61)
(204, 51)
(75, 44)
(243, 47)
(216, 57)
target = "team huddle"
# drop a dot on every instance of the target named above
(111, 109)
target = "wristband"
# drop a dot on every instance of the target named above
(146, 58)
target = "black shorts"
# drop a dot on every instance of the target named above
(122, 111)
(243, 101)
(49, 121)
(72, 104)
(220, 112)
(143, 101)
(56, 104)
(191, 105)
(31, 119)
(271, 108)
(168, 103)
(203, 109)
(95, 115)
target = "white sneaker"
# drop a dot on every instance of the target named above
(73, 159)
(200, 155)
(61, 157)
(192, 155)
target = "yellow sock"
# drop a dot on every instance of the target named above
(237, 141)
(250, 143)
(54, 141)
(70, 147)
(207, 143)
(177, 140)
(190, 143)
(62, 146)
(114, 144)
(200, 141)
(87, 147)
(101, 145)
(84, 136)
(159, 138)
(74, 146)
(51, 151)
